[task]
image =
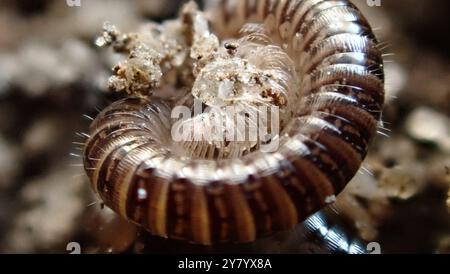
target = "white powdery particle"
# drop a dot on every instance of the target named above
(330, 199)
(142, 194)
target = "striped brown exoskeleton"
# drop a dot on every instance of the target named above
(317, 61)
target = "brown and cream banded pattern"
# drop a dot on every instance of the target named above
(130, 161)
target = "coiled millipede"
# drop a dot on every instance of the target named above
(316, 60)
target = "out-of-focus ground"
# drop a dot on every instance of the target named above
(51, 74)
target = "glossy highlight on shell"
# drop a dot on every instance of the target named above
(326, 71)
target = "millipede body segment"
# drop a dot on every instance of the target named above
(317, 61)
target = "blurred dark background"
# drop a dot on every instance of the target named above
(51, 74)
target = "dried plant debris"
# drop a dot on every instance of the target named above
(187, 47)
(245, 73)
